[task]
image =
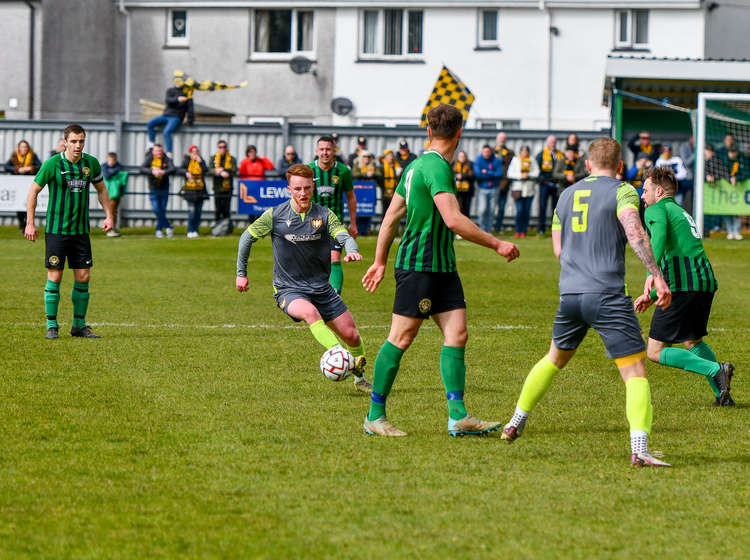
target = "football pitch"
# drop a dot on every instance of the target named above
(200, 425)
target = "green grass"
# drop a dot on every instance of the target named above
(201, 427)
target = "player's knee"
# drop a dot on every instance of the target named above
(351, 337)
(652, 353)
(82, 275)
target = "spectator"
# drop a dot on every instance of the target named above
(367, 170)
(723, 152)
(686, 151)
(635, 174)
(738, 170)
(464, 174)
(714, 170)
(361, 147)
(59, 149)
(668, 159)
(336, 148)
(545, 161)
(23, 162)
(223, 169)
(290, 158)
(391, 174)
(159, 167)
(405, 157)
(523, 170)
(573, 140)
(641, 142)
(488, 171)
(116, 180)
(194, 191)
(254, 167)
(178, 107)
(570, 169)
(505, 154)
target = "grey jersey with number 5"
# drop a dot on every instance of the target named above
(593, 239)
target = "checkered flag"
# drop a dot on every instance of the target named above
(189, 84)
(449, 90)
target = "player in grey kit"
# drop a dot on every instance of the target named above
(301, 232)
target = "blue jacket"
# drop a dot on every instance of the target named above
(488, 172)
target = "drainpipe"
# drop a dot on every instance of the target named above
(126, 107)
(32, 54)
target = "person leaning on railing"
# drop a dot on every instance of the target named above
(159, 167)
(23, 162)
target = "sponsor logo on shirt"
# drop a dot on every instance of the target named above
(326, 191)
(294, 238)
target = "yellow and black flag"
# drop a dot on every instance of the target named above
(449, 90)
(189, 84)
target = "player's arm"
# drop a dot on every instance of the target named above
(388, 227)
(447, 205)
(257, 230)
(338, 232)
(30, 232)
(556, 234)
(627, 213)
(106, 203)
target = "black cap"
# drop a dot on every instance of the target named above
(403, 144)
(362, 140)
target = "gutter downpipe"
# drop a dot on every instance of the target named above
(126, 107)
(32, 54)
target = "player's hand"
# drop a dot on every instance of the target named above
(242, 283)
(508, 250)
(352, 257)
(30, 232)
(372, 278)
(353, 230)
(663, 293)
(642, 303)
(108, 224)
(649, 285)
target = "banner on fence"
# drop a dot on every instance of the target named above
(723, 198)
(13, 192)
(255, 197)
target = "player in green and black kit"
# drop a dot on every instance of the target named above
(678, 249)
(332, 178)
(427, 283)
(68, 176)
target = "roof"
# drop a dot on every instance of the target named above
(665, 68)
(271, 4)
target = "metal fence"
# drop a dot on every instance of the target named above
(129, 140)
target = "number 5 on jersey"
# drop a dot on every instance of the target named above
(579, 223)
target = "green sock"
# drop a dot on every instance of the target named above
(537, 382)
(337, 277)
(638, 406)
(357, 350)
(323, 334)
(683, 359)
(51, 303)
(703, 350)
(80, 298)
(453, 371)
(386, 369)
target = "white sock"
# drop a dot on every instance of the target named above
(639, 441)
(519, 419)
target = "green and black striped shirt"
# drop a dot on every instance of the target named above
(331, 185)
(68, 183)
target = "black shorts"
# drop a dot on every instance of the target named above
(610, 315)
(421, 294)
(328, 303)
(76, 248)
(685, 319)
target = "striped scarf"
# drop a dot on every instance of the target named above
(196, 184)
(20, 161)
(525, 165)
(390, 178)
(225, 181)
(548, 158)
(463, 168)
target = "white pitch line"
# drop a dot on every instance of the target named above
(252, 326)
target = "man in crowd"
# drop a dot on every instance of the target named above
(178, 107)
(641, 142)
(427, 282)
(488, 172)
(505, 155)
(158, 166)
(593, 221)
(637, 170)
(405, 157)
(570, 169)
(361, 147)
(548, 190)
(223, 167)
(289, 159)
(683, 263)
(669, 159)
(68, 176)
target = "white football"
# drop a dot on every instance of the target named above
(337, 363)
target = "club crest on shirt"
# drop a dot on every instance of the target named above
(316, 222)
(86, 171)
(335, 180)
(425, 305)
(54, 260)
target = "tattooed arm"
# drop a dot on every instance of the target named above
(638, 239)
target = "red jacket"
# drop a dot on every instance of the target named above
(255, 170)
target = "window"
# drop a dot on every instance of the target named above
(392, 33)
(631, 29)
(281, 33)
(487, 29)
(177, 28)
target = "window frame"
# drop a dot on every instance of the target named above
(483, 43)
(380, 55)
(631, 19)
(171, 41)
(260, 56)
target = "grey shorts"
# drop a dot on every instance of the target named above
(610, 315)
(328, 303)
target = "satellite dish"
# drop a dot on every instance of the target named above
(300, 64)
(342, 106)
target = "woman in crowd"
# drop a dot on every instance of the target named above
(23, 162)
(464, 173)
(523, 170)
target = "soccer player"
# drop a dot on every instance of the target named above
(300, 232)
(678, 249)
(427, 282)
(68, 175)
(332, 178)
(593, 220)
